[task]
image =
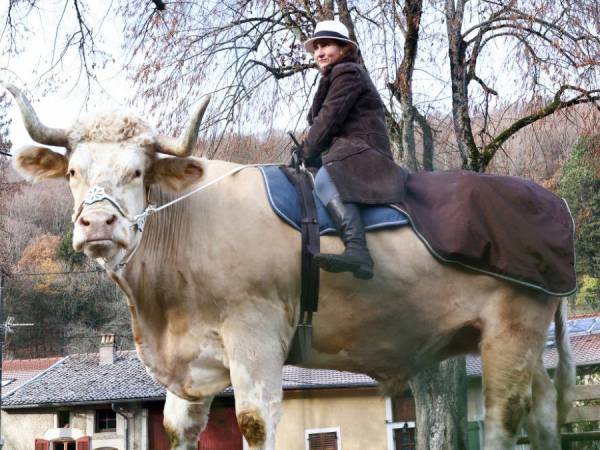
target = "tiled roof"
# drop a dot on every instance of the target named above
(300, 378)
(80, 378)
(15, 372)
(28, 365)
(585, 348)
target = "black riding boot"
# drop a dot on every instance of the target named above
(356, 258)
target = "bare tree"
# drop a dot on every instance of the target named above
(402, 86)
(7, 189)
(552, 46)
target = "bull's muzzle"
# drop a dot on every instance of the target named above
(98, 225)
(95, 233)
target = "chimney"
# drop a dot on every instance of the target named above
(107, 349)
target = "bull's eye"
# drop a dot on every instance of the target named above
(137, 174)
(71, 172)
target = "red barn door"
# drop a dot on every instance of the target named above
(221, 433)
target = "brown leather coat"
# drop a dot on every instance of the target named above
(348, 133)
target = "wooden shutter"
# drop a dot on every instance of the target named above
(42, 444)
(323, 441)
(83, 443)
(403, 409)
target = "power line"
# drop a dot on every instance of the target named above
(5, 154)
(34, 274)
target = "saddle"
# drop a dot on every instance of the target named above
(286, 200)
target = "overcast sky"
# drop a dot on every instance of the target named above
(69, 97)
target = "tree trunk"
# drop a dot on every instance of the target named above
(395, 131)
(459, 82)
(412, 10)
(441, 402)
(428, 145)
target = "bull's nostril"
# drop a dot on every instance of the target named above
(111, 220)
(84, 222)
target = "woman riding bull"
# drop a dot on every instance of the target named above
(348, 140)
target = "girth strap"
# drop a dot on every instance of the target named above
(309, 295)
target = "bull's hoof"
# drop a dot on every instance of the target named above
(252, 427)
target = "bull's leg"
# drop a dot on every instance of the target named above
(255, 363)
(541, 423)
(184, 421)
(510, 350)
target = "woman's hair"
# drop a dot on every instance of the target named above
(349, 51)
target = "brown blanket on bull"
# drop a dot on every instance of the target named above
(506, 226)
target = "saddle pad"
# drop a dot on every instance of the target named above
(285, 202)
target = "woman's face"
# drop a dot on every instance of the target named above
(327, 51)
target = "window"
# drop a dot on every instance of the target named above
(106, 420)
(63, 419)
(64, 445)
(400, 418)
(403, 409)
(404, 438)
(323, 439)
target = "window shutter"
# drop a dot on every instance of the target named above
(83, 443)
(323, 441)
(403, 409)
(42, 444)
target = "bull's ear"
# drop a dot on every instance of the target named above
(177, 174)
(36, 163)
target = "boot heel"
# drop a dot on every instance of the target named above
(364, 272)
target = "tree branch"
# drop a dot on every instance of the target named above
(283, 72)
(489, 150)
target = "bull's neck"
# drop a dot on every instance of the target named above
(174, 239)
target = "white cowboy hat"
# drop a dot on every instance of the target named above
(329, 29)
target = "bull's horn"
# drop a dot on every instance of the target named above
(185, 145)
(39, 132)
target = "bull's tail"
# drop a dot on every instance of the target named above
(564, 377)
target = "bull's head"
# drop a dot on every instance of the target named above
(110, 162)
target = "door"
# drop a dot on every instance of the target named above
(221, 433)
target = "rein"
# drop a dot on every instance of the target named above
(97, 194)
(151, 209)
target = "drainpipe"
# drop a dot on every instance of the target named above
(120, 412)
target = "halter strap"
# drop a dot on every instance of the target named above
(97, 194)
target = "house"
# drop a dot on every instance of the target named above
(108, 401)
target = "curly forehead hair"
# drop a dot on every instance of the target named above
(112, 126)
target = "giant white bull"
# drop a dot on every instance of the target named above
(213, 289)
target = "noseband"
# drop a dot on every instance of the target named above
(97, 194)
